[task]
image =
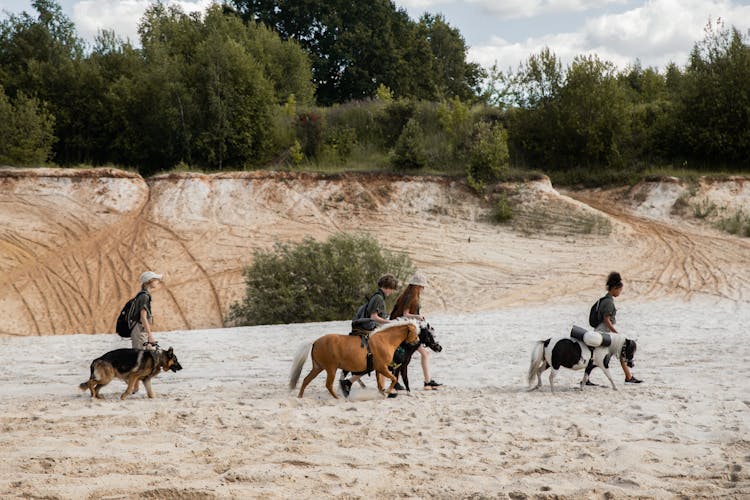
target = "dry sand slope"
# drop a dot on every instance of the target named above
(73, 242)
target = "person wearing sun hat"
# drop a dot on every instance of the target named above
(408, 306)
(141, 335)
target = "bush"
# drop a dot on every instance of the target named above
(502, 212)
(488, 154)
(410, 151)
(309, 129)
(738, 224)
(26, 131)
(315, 281)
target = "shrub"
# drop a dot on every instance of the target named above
(738, 224)
(502, 212)
(410, 151)
(488, 154)
(703, 209)
(315, 281)
(309, 128)
(26, 130)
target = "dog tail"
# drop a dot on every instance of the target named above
(298, 363)
(537, 360)
(85, 385)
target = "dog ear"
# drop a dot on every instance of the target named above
(170, 350)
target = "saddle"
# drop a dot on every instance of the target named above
(364, 339)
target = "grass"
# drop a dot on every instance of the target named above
(738, 224)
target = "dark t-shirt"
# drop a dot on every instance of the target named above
(376, 305)
(142, 301)
(607, 308)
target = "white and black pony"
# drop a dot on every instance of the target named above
(581, 350)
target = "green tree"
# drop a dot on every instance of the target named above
(568, 120)
(357, 46)
(26, 127)
(315, 281)
(42, 57)
(713, 103)
(453, 76)
(488, 154)
(410, 151)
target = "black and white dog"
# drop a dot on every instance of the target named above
(572, 352)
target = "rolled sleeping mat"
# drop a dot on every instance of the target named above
(591, 339)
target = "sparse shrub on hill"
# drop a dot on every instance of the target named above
(410, 151)
(737, 224)
(488, 155)
(315, 281)
(26, 135)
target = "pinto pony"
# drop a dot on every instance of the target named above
(331, 352)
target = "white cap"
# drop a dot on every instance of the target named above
(418, 279)
(148, 276)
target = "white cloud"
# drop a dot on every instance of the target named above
(513, 9)
(657, 32)
(422, 4)
(123, 16)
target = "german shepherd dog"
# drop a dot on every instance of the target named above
(131, 366)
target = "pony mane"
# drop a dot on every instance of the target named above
(398, 322)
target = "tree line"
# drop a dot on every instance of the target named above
(255, 83)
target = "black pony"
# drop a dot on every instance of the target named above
(404, 352)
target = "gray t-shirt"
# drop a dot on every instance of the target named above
(376, 305)
(607, 308)
(142, 301)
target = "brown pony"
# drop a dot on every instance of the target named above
(331, 352)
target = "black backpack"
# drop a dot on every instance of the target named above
(594, 318)
(124, 325)
(362, 322)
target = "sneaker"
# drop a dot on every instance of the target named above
(398, 387)
(632, 380)
(392, 395)
(346, 386)
(431, 385)
(588, 382)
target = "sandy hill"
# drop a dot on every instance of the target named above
(73, 242)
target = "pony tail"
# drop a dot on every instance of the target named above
(537, 358)
(298, 363)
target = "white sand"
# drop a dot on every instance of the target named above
(227, 427)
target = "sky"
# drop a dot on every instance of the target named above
(503, 32)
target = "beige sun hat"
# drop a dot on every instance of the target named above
(418, 280)
(150, 275)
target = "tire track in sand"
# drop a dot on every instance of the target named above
(673, 259)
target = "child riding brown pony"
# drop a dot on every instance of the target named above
(331, 352)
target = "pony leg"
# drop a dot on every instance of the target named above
(539, 376)
(609, 376)
(386, 373)
(403, 370)
(314, 371)
(586, 373)
(552, 374)
(330, 377)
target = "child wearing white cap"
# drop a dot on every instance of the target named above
(141, 335)
(408, 305)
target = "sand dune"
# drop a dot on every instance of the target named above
(226, 426)
(73, 242)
